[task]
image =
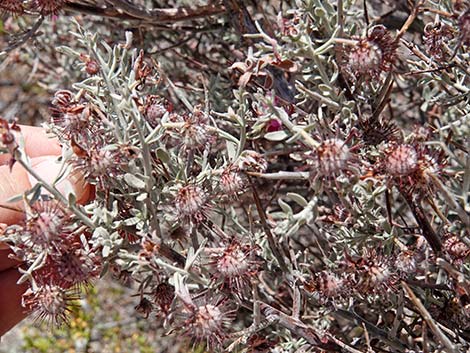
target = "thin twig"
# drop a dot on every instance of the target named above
(56, 193)
(297, 327)
(26, 36)
(373, 330)
(282, 175)
(429, 320)
(456, 274)
(340, 19)
(272, 243)
(343, 345)
(426, 228)
(409, 21)
(126, 10)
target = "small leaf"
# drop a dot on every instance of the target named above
(142, 197)
(106, 250)
(163, 155)
(378, 191)
(131, 221)
(100, 233)
(72, 199)
(325, 89)
(319, 12)
(68, 191)
(298, 199)
(67, 51)
(133, 181)
(35, 193)
(104, 269)
(285, 206)
(231, 150)
(293, 230)
(15, 198)
(276, 136)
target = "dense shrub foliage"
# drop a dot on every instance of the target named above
(270, 176)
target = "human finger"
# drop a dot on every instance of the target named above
(37, 143)
(5, 261)
(18, 181)
(11, 309)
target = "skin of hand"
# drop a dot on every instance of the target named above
(43, 152)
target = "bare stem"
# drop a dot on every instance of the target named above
(429, 320)
(272, 243)
(297, 327)
(128, 11)
(56, 193)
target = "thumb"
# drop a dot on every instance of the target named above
(19, 180)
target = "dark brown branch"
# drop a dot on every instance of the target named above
(426, 228)
(177, 14)
(162, 249)
(374, 330)
(125, 10)
(428, 285)
(297, 327)
(384, 96)
(272, 243)
(26, 36)
(429, 320)
(409, 21)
